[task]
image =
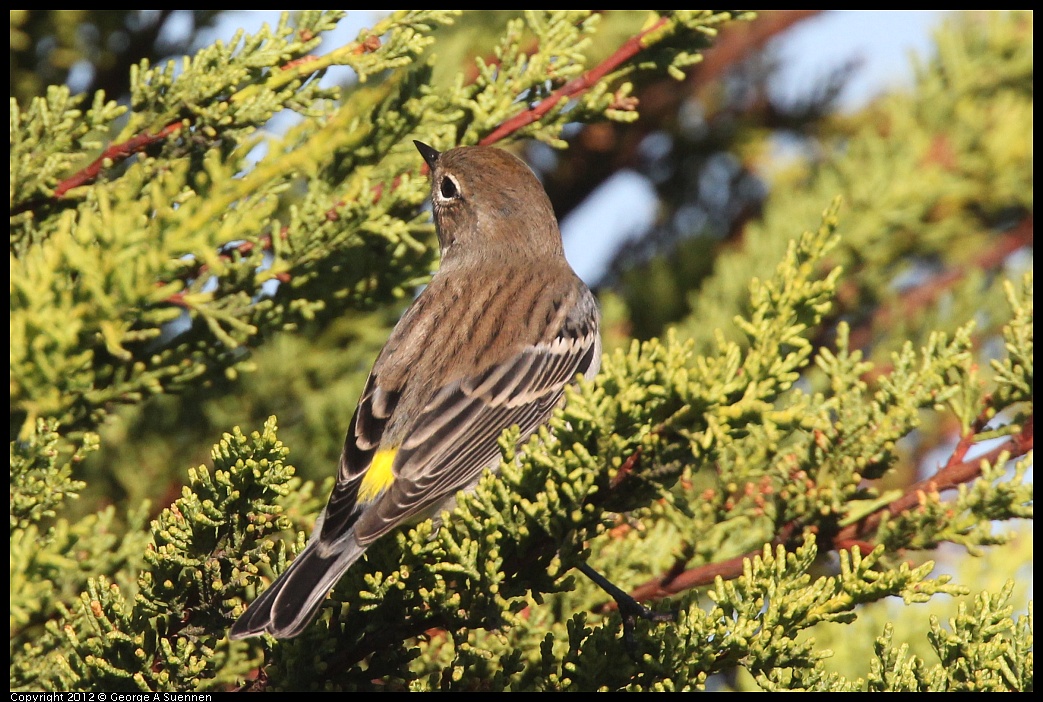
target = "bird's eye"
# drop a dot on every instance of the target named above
(448, 188)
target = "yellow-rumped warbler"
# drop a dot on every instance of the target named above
(504, 325)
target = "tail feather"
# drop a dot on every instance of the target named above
(289, 604)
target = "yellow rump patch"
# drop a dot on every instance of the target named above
(379, 476)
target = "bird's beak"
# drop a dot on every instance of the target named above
(429, 154)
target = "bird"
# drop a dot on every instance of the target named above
(493, 340)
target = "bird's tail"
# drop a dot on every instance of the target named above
(290, 603)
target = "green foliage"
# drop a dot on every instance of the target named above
(40, 480)
(163, 632)
(746, 465)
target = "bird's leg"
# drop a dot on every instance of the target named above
(629, 608)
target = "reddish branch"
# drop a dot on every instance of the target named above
(630, 48)
(115, 153)
(967, 440)
(956, 472)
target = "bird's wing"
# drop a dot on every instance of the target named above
(455, 435)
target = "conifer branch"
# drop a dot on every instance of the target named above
(956, 472)
(299, 68)
(113, 154)
(630, 48)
